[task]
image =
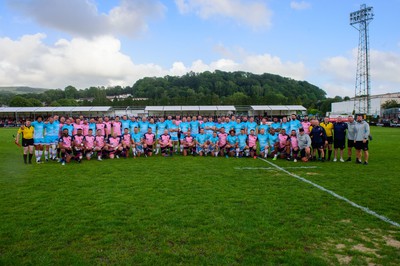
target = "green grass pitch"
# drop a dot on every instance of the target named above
(192, 210)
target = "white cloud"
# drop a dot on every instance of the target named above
(341, 73)
(99, 62)
(251, 13)
(300, 5)
(82, 18)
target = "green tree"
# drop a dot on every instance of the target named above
(390, 104)
(19, 101)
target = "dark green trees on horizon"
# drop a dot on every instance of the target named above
(207, 88)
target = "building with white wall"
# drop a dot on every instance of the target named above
(347, 107)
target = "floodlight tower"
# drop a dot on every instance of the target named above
(360, 20)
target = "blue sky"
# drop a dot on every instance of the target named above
(56, 43)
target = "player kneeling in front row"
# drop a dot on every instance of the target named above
(201, 143)
(78, 145)
(252, 144)
(137, 143)
(232, 144)
(165, 143)
(262, 138)
(213, 144)
(100, 145)
(65, 144)
(89, 142)
(304, 142)
(114, 146)
(242, 144)
(126, 143)
(188, 144)
(284, 144)
(149, 141)
(294, 145)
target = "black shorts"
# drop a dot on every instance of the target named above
(339, 144)
(360, 145)
(350, 143)
(27, 142)
(317, 145)
(329, 139)
(302, 153)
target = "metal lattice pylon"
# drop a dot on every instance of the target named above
(360, 20)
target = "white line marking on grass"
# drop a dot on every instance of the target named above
(365, 209)
(273, 168)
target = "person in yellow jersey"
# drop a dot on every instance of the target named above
(328, 126)
(27, 140)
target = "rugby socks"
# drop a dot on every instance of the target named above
(30, 157)
(25, 158)
(329, 155)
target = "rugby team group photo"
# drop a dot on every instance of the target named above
(66, 139)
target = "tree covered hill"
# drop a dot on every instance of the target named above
(207, 88)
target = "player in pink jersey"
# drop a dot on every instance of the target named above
(107, 122)
(114, 146)
(305, 124)
(62, 122)
(284, 144)
(100, 125)
(85, 127)
(165, 142)
(252, 143)
(77, 125)
(100, 144)
(222, 135)
(126, 142)
(65, 144)
(188, 144)
(89, 142)
(116, 126)
(78, 145)
(294, 145)
(149, 141)
(178, 120)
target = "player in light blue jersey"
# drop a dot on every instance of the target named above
(213, 144)
(251, 124)
(220, 124)
(273, 142)
(69, 127)
(209, 127)
(143, 125)
(201, 142)
(262, 138)
(238, 126)
(38, 138)
(173, 130)
(125, 123)
(276, 124)
(264, 125)
(92, 125)
(295, 124)
(232, 143)
(137, 142)
(51, 128)
(161, 126)
(194, 127)
(228, 124)
(132, 124)
(168, 121)
(158, 130)
(285, 124)
(242, 144)
(184, 127)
